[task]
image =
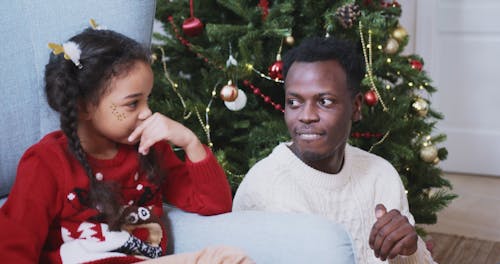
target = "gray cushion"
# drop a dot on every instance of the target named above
(266, 237)
(26, 27)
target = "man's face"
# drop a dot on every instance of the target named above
(319, 111)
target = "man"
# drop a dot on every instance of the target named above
(319, 172)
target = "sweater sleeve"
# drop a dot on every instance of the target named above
(394, 197)
(421, 256)
(250, 194)
(29, 211)
(199, 187)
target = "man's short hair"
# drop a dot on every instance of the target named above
(329, 48)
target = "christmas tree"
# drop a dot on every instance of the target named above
(218, 70)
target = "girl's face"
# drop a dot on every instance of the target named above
(122, 108)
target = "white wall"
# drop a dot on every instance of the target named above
(407, 20)
(459, 41)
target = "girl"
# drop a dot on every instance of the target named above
(73, 187)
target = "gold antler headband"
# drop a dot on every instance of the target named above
(95, 26)
(70, 49)
(71, 52)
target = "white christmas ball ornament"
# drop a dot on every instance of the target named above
(239, 103)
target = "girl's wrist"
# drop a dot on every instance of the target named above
(195, 151)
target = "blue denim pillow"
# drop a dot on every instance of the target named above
(25, 29)
(267, 237)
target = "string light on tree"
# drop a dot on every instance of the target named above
(368, 56)
(262, 75)
(238, 104)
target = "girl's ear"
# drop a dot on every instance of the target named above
(83, 110)
(356, 108)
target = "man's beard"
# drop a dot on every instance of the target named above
(309, 156)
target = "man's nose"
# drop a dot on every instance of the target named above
(309, 113)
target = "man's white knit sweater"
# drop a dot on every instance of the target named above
(282, 182)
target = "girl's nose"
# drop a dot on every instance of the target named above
(145, 113)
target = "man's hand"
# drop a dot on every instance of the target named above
(392, 234)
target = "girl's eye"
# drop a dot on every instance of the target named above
(325, 102)
(133, 104)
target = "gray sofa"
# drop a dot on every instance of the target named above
(26, 26)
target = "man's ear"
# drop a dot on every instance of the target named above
(356, 108)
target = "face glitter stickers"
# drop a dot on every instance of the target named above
(119, 116)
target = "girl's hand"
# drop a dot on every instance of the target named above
(158, 127)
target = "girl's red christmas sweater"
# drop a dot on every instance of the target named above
(44, 220)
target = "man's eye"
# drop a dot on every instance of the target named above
(293, 102)
(325, 101)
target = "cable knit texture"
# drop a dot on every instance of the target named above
(282, 182)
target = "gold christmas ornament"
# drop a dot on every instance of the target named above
(391, 46)
(399, 33)
(421, 107)
(429, 153)
(229, 92)
(290, 40)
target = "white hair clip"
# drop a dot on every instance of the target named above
(71, 52)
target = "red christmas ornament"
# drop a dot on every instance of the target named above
(192, 26)
(416, 64)
(367, 2)
(264, 5)
(371, 98)
(276, 70)
(386, 3)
